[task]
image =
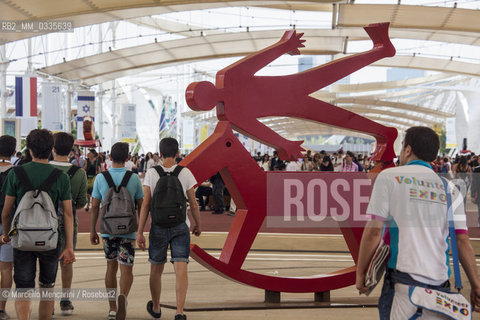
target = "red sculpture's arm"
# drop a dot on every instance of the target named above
(287, 150)
(248, 66)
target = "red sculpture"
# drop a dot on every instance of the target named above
(241, 98)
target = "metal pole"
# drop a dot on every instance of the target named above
(68, 124)
(334, 16)
(3, 79)
(30, 63)
(114, 112)
(100, 91)
(100, 113)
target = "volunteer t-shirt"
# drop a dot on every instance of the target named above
(412, 199)
(186, 178)
(134, 187)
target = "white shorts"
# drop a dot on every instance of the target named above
(403, 309)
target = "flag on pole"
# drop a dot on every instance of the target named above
(163, 120)
(85, 108)
(25, 96)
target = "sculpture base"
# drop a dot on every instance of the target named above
(272, 296)
(322, 296)
(233, 306)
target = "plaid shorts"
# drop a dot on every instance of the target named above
(120, 249)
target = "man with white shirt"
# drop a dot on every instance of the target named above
(161, 237)
(129, 164)
(411, 201)
(293, 166)
(109, 162)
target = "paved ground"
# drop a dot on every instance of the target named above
(222, 298)
(222, 222)
(208, 290)
(272, 254)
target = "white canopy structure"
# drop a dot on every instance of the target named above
(427, 98)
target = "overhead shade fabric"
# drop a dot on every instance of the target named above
(111, 65)
(84, 13)
(410, 17)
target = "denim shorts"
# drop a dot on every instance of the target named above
(120, 249)
(6, 250)
(160, 238)
(25, 268)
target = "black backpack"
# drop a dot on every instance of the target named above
(70, 173)
(3, 178)
(169, 205)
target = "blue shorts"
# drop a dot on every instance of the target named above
(160, 238)
(6, 250)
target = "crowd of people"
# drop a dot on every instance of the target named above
(322, 161)
(123, 190)
(61, 182)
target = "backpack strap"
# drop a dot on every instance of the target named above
(22, 176)
(108, 178)
(160, 171)
(126, 178)
(48, 183)
(71, 172)
(7, 171)
(177, 170)
(453, 238)
(3, 177)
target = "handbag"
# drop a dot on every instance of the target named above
(451, 304)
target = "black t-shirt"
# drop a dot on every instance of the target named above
(92, 168)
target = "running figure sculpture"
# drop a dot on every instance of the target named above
(242, 98)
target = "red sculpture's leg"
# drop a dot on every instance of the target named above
(318, 283)
(247, 185)
(245, 181)
(320, 111)
(317, 78)
(336, 116)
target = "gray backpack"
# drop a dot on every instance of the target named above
(35, 223)
(117, 215)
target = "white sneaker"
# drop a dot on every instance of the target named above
(112, 315)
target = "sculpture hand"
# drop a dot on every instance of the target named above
(290, 151)
(293, 42)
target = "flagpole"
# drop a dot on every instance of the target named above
(68, 123)
(3, 108)
(99, 112)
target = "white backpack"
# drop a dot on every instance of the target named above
(35, 223)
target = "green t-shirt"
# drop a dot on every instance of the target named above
(38, 173)
(78, 183)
